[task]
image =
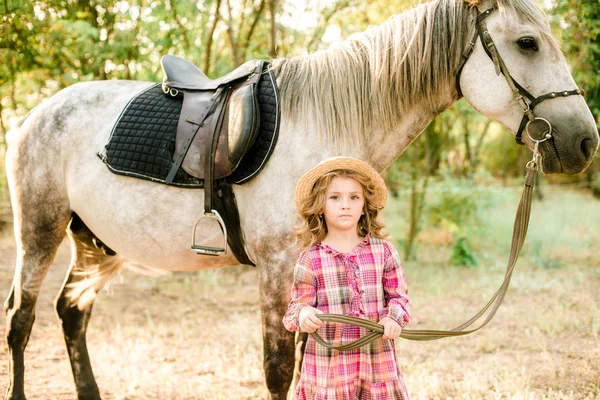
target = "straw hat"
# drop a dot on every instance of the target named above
(307, 182)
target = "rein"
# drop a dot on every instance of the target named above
(521, 218)
(518, 237)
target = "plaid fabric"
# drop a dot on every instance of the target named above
(368, 283)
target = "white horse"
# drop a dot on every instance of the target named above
(369, 98)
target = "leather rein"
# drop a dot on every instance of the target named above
(521, 218)
(518, 238)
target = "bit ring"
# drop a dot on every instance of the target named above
(547, 136)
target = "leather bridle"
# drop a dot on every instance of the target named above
(519, 92)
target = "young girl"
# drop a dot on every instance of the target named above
(346, 266)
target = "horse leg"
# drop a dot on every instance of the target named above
(90, 268)
(300, 346)
(40, 223)
(278, 344)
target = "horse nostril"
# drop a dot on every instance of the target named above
(588, 148)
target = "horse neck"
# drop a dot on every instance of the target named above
(385, 146)
(373, 94)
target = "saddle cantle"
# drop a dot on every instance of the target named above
(219, 118)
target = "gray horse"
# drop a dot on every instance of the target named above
(369, 98)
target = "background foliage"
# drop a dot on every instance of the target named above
(50, 44)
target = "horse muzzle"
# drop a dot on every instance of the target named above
(570, 148)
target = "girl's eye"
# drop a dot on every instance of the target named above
(528, 43)
(334, 197)
(355, 197)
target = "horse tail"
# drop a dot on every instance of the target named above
(83, 291)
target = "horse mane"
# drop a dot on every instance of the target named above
(374, 77)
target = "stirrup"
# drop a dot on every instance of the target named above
(210, 250)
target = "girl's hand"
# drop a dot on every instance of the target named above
(391, 328)
(308, 319)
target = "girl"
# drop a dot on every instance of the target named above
(346, 266)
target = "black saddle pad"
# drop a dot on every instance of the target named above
(142, 141)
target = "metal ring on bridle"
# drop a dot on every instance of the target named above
(547, 136)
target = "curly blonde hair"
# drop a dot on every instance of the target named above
(312, 229)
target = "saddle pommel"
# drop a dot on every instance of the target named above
(181, 74)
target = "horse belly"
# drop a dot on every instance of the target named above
(187, 260)
(151, 226)
(147, 223)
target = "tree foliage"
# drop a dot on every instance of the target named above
(46, 45)
(576, 24)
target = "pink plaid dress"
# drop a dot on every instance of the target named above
(368, 283)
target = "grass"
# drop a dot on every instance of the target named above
(198, 335)
(563, 227)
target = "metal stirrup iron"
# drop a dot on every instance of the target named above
(210, 250)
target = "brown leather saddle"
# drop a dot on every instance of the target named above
(218, 124)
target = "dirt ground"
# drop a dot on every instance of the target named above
(198, 335)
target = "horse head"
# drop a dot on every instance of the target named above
(516, 73)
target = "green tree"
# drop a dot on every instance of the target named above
(576, 24)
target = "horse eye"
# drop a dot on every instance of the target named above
(528, 44)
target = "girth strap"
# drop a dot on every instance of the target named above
(519, 232)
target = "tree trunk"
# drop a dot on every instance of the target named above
(273, 31)
(412, 223)
(320, 31)
(209, 40)
(231, 36)
(256, 14)
(417, 194)
(182, 28)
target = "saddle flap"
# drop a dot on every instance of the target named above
(232, 114)
(243, 121)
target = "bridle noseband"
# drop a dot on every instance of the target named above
(518, 91)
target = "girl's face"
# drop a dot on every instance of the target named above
(344, 203)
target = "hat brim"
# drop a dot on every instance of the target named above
(307, 182)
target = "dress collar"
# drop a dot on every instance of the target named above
(330, 250)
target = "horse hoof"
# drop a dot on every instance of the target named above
(92, 394)
(12, 396)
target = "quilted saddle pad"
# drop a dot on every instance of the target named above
(142, 141)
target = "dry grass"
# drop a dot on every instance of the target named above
(198, 336)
